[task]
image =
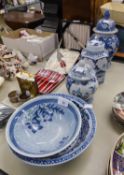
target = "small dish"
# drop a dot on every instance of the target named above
(48, 125)
(14, 96)
(118, 107)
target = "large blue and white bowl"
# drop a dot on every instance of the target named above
(81, 143)
(43, 126)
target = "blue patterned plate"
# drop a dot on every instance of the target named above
(43, 126)
(79, 145)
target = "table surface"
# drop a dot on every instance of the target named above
(22, 17)
(94, 160)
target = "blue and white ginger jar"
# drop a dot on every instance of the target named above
(106, 31)
(97, 56)
(82, 81)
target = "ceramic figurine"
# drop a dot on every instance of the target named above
(10, 71)
(82, 81)
(32, 59)
(106, 31)
(97, 56)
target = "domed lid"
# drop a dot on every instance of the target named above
(106, 25)
(95, 45)
(82, 71)
(95, 50)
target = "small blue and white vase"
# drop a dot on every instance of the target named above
(82, 81)
(106, 31)
(97, 56)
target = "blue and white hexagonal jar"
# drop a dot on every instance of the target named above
(97, 56)
(106, 31)
(82, 81)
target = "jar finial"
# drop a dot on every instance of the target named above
(107, 14)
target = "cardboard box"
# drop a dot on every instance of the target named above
(41, 46)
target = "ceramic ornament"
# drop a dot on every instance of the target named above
(32, 59)
(97, 56)
(106, 31)
(82, 81)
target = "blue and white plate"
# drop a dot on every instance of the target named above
(43, 126)
(79, 145)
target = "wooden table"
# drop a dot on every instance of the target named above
(17, 20)
(119, 54)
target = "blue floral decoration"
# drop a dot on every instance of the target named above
(42, 114)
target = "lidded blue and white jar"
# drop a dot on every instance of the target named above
(82, 81)
(106, 31)
(97, 56)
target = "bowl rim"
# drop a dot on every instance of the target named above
(7, 132)
(112, 152)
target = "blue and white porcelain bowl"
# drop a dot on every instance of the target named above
(82, 81)
(43, 126)
(83, 141)
(96, 55)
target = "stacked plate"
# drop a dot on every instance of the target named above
(51, 129)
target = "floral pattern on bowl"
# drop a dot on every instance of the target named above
(33, 119)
